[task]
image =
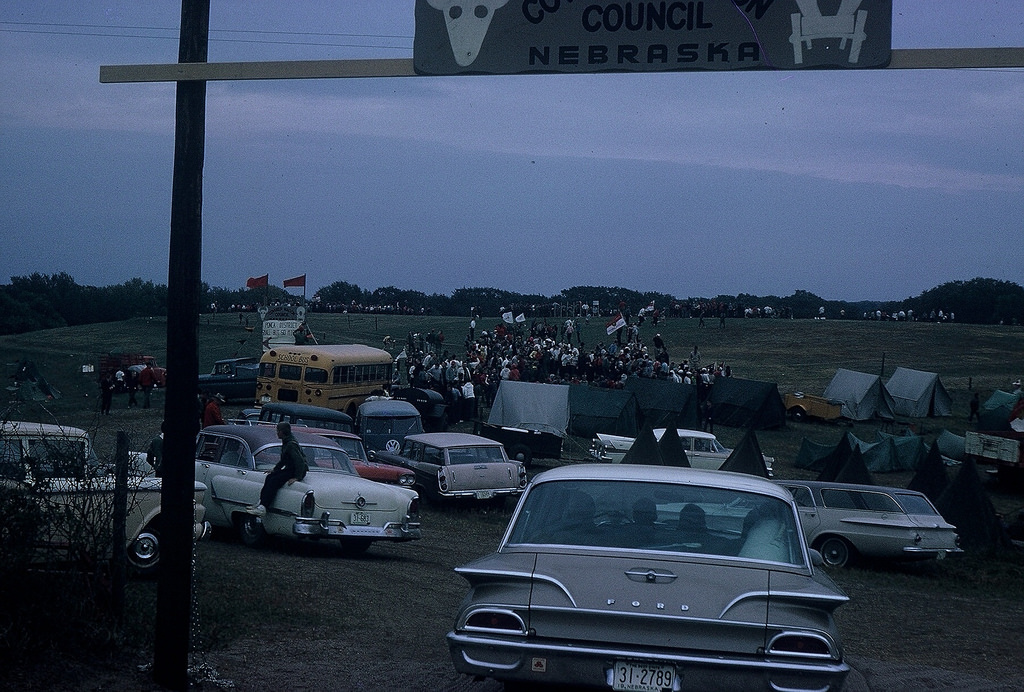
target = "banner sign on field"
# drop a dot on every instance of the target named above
(578, 36)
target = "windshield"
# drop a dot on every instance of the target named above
(48, 457)
(323, 423)
(659, 516)
(318, 459)
(475, 455)
(405, 425)
(354, 448)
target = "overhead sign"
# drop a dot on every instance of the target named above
(578, 36)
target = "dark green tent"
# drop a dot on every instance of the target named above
(30, 385)
(931, 477)
(812, 455)
(595, 410)
(671, 448)
(644, 449)
(665, 403)
(836, 459)
(965, 504)
(740, 403)
(747, 457)
(854, 470)
(994, 414)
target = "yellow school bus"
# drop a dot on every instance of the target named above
(338, 376)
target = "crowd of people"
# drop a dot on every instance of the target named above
(547, 353)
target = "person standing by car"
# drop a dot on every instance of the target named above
(292, 467)
(147, 380)
(211, 412)
(106, 393)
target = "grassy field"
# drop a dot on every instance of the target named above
(798, 355)
(959, 615)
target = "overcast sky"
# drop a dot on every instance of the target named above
(849, 184)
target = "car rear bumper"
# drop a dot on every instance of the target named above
(325, 527)
(562, 663)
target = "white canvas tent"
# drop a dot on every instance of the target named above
(532, 406)
(917, 394)
(863, 395)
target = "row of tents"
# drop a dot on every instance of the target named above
(910, 393)
(583, 410)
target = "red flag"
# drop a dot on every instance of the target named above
(257, 281)
(297, 281)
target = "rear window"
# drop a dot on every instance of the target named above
(915, 504)
(474, 455)
(664, 517)
(392, 425)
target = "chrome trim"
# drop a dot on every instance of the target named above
(492, 630)
(832, 654)
(528, 576)
(532, 646)
(633, 615)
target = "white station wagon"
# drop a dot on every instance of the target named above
(844, 521)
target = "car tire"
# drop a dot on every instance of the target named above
(354, 546)
(521, 453)
(251, 531)
(835, 551)
(144, 551)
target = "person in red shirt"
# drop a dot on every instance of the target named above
(212, 414)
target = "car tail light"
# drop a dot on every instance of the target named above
(442, 480)
(809, 645)
(308, 503)
(522, 476)
(491, 620)
(414, 508)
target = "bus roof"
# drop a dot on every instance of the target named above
(351, 353)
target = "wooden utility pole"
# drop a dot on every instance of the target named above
(174, 589)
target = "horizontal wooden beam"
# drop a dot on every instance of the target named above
(236, 71)
(902, 59)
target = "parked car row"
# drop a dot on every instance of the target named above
(632, 577)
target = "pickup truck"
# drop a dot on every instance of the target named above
(1003, 449)
(235, 378)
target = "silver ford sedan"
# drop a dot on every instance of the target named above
(651, 578)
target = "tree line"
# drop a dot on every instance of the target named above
(41, 301)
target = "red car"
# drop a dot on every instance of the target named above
(372, 470)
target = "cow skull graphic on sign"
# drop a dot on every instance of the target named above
(467, 22)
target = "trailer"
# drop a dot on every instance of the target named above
(801, 406)
(1003, 449)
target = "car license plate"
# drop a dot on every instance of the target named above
(484, 494)
(643, 677)
(359, 519)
